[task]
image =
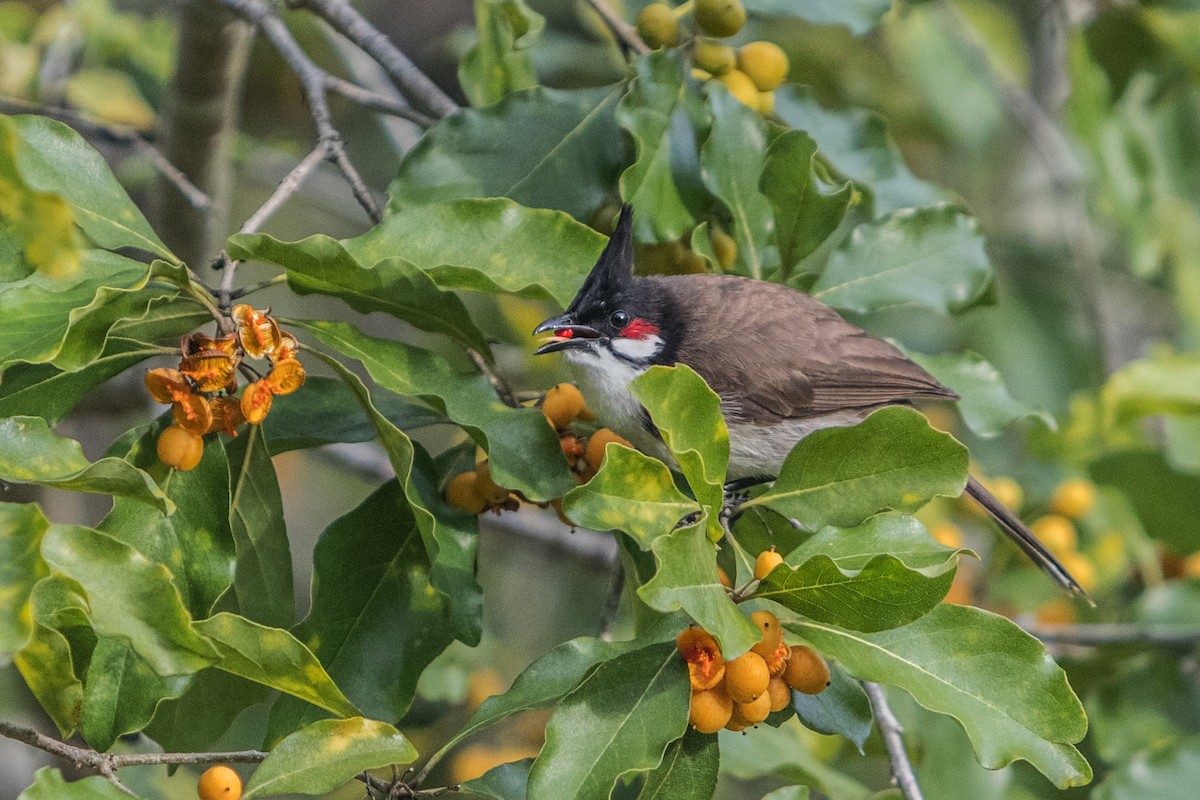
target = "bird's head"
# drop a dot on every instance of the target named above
(626, 316)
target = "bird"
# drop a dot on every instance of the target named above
(783, 364)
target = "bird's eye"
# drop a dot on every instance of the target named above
(619, 319)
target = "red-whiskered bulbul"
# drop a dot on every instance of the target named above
(783, 363)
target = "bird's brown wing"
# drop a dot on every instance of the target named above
(788, 356)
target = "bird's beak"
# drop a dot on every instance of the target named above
(567, 334)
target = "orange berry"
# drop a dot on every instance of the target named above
(746, 677)
(180, 449)
(806, 671)
(1007, 491)
(706, 666)
(772, 634)
(556, 504)
(767, 560)
(599, 442)
(462, 493)
(948, 533)
(1056, 532)
(487, 488)
(286, 376)
(219, 783)
(1081, 569)
(1191, 566)
(1056, 612)
(779, 693)
(1073, 498)
(753, 712)
(256, 402)
(710, 710)
(960, 590)
(724, 579)
(562, 405)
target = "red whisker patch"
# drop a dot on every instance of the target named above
(639, 329)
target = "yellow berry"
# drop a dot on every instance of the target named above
(960, 589)
(767, 560)
(1080, 568)
(720, 17)
(741, 87)
(1056, 612)
(724, 247)
(766, 103)
(1191, 566)
(562, 405)
(1056, 532)
(710, 710)
(598, 442)
(219, 783)
(772, 634)
(712, 56)
(948, 533)
(1007, 491)
(753, 711)
(179, 448)
(780, 694)
(1073, 498)
(657, 26)
(462, 493)
(746, 677)
(806, 671)
(764, 63)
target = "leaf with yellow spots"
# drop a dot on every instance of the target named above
(633, 493)
(21, 567)
(49, 784)
(41, 222)
(275, 658)
(31, 453)
(891, 460)
(45, 660)
(321, 757)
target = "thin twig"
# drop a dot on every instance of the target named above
(411, 82)
(257, 287)
(1098, 634)
(374, 100)
(115, 133)
(893, 740)
(626, 33)
(502, 389)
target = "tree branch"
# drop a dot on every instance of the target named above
(893, 740)
(374, 100)
(411, 82)
(625, 33)
(1099, 634)
(502, 389)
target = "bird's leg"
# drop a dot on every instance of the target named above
(737, 492)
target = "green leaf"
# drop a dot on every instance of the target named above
(498, 63)
(321, 265)
(1166, 772)
(121, 693)
(129, 596)
(840, 476)
(262, 577)
(785, 753)
(198, 718)
(687, 414)
(855, 579)
(687, 579)
(65, 321)
(843, 709)
(59, 161)
(732, 162)
(1161, 496)
(492, 246)
(326, 412)
(931, 257)
(449, 535)
(996, 680)
(857, 144)
(1166, 383)
(274, 658)
(375, 621)
(859, 16)
(167, 317)
(804, 215)
(543, 148)
(22, 526)
(688, 770)
(651, 111)
(44, 390)
(633, 493)
(505, 782)
(619, 720)
(49, 784)
(986, 405)
(326, 754)
(543, 683)
(524, 451)
(45, 660)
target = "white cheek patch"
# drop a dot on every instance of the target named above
(637, 349)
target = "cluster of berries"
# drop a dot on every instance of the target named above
(752, 73)
(201, 391)
(476, 492)
(742, 692)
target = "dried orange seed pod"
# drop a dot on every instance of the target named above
(192, 413)
(256, 402)
(706, 666)
(286, 376)
(210, 370)
(226, 415)
(258, 332)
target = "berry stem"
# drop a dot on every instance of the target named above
(683, 10)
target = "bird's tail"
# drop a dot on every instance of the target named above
(1024, 538)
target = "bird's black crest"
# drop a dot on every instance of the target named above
(614, 269)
